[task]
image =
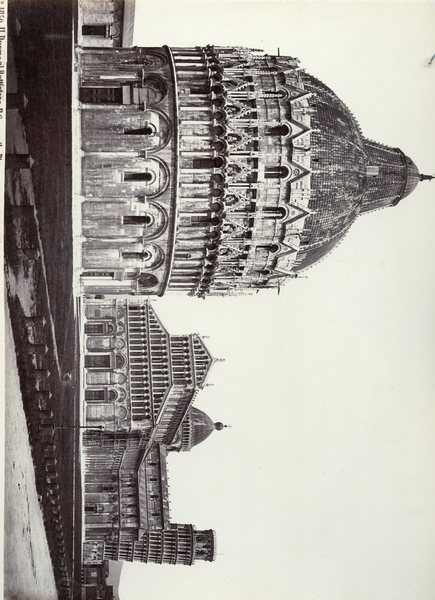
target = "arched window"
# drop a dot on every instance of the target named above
(99, 327)
(97, 361)
(108, 487)
(274, 212)
(136, 255)
(95, 395)
(276, 172)
(98, 343)
(100, 95)
(277, 130)
(218, 130)
(145, 176)
(97, 30)
(137, 219)
(147, 130)
(155, 89)
(112, 395)
(110, 327)
(95, 328)
(208, 163)
(219, 146)
(119, 361)
(94, 507)
(199, 89)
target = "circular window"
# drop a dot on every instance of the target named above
(216, 77)
(147, 280)
(219, 162)
(217, 89)
(219, 115)
(218, 178)
(215, 221)
(216, 207)
(218, 130)
(219, 146)
(217, 192)
(218, 102)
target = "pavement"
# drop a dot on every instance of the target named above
(38, 257)
(28, 572)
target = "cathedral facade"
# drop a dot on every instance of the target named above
(138, 386)
(214, 170)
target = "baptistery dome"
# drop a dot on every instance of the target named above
(214, 170)
(349, 174)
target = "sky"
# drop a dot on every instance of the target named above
(323, 486)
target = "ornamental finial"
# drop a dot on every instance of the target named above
(426, 177)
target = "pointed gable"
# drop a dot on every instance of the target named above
(297, 171)
(287, 248)
(296, 93)
(296, 128)
(296, 212)
(154, 323)
(159, 355)
(202, 360)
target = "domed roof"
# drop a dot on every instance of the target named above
(349, 174)
(338, 171)
(288, 167)
(412, 177)
(196, 427)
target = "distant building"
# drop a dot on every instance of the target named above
(105, 23)
(213, 170)
(94, 586)
(139, 383)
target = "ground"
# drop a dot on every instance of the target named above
(42, 39)
(24, 535)
(38, 253)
